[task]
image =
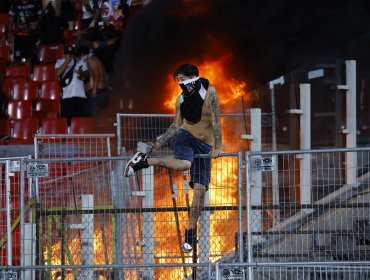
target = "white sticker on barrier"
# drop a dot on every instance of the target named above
(15, 166)
(263, 163)
(233, 274)
(8, 275)
(37, 169)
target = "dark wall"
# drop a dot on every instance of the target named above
(267, 38)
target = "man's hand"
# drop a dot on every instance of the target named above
(155, 145)
(81, 73)
(216, 152)
(68, 58)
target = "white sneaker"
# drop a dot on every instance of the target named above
(137, 162)
(186, 247)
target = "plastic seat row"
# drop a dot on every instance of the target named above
(46, 53)
(21, 131)
(39, 73)
(23, 89)
(25, 109)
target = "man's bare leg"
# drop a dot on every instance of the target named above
(170, 163)
(141, 160)
(199, 192)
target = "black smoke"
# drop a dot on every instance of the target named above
(267, 38)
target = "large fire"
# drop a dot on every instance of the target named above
(224, 170)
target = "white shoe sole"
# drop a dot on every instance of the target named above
(186, 248)
(128, 169)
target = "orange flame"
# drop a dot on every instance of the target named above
(215, 71)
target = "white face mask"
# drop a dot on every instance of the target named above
(190, 86)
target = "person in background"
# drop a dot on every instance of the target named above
(90, 10)
(195, 130)
(51, 26)
(68, 14)
(72, 71)
(97, 90)
(106, 48)
(25, 16)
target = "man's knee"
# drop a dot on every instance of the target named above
(184, 165)
(200, 187)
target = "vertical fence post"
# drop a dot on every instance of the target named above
(217, 271)
(22, 219)
(204, 230)
(240, 207)
(118, 186)
(249, 212)
(351, 117)
(87, 222)
(305, 139)
(119, 136)
(148, 221)
(256, 177)
(9, 242)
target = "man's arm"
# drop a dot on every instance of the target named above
(62, 68)
(94, 73)
(173, 129)
(82, 71)
(216, 123)
(86, 4)
(10, 28)
(35, 24)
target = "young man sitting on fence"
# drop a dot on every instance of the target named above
(196, 129)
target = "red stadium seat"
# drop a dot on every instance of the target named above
(19, 109)
(4, 129)
(45, 114)
(78, 14)
(23, 131)
(50, 90)
(50, 53)
(3, 66)
(71, 36)
(47, 105)
(4, 17)
(44, 72)
(23, 70)
(6, 84)
(3, 26)
(24, 90)
(46, 108)
(5, 53)
(54, 126)
(82, 125)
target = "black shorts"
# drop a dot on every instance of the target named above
(74, 107)
(185, 147)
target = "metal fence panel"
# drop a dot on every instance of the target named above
(132, 128)
(292, 271)
(91, 215)
(321, 214)
(72, 145)
(10, 210)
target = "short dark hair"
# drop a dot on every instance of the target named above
(71, 49)
(82, 50)
(187, 70)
